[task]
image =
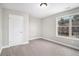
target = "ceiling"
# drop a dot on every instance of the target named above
(35, 10)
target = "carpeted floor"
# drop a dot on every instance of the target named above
(39, 47)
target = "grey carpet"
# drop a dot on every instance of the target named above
(39, 47)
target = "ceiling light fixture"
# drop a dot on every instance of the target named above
(43, 4)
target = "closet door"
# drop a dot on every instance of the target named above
(16, 29)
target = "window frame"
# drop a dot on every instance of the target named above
(70, 27)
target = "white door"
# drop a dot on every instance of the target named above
(16, 29)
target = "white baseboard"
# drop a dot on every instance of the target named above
(7, 46)
(68, 45)
(35, 38)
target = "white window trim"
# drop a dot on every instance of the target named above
(70, 31)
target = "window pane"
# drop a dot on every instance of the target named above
(75, 20)
(64, 31)
(75, 31)
(64, 21)
(75, 26)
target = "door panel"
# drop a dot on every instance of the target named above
(16, 29)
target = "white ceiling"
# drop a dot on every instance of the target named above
(35, 10)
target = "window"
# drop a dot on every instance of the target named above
(75, 26)
(68, 26)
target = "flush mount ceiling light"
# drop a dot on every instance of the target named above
(43, 4)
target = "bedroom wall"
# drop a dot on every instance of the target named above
(33, 25)
(49, 28)
(0, 27)
(5, 25)
(35, 28)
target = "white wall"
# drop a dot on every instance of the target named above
(5, 25)
(0, 27)
(35, 27)
(49, 28)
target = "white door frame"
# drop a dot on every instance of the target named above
(11, 42)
